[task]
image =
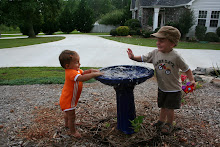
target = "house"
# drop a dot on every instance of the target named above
(156, 13)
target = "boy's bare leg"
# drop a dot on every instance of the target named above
(71, 123)
(170, 116)
(163, 115)
(66, 120)
(168, 127)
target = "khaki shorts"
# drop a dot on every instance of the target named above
(169, 100)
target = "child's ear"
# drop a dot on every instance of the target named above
(173, 45)
(66, 66)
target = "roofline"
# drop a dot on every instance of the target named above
(159, 6)
(155, 6)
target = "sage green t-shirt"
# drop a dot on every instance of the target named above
(167, 67)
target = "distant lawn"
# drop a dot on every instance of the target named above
(11, 35)
(8, 43)
(151, 42)
(33, 75)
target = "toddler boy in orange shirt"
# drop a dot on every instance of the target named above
(74, 78)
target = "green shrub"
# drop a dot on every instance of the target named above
(122, 31)
(113, 18)
(113, 32)
(132, 32)
(133, 23)
(147, 33)
(218, 31)
(67, 21)
(200, 32)
(9, 29)
(49, 27)
(139, 31)
(156, 30)
(212, 37)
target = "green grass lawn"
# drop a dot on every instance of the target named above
(151, 42)
(11, 36)
(33, 75)
(8, 43)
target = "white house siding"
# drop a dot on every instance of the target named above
(205, 5)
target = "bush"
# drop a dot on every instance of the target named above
(133, 23)
(67, 21)
(9, 29)
(113, 18)
(212, 37)
(218, 31)
(50, 27)
(139, 31)
(200, 32)
(113, 32)
(156, 30)
(147, 33)
(132, 32)
(122, 31)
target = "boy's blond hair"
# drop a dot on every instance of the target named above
(168, 32)
(66, 56)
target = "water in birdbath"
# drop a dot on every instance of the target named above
(123, 72)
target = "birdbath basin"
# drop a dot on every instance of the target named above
(124, 78)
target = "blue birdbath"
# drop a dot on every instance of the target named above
(124, 78)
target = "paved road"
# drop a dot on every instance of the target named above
(94, 51)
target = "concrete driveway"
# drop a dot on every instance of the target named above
(94, 51)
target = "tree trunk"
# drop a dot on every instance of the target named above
(31, 33)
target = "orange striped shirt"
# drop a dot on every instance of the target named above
(71, 90)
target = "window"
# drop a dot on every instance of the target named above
(202, 14)
(214, 18)
(213, 23)
(201, 22)
(215, 14)
(202, 18)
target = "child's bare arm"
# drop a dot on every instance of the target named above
(190, 76)
(88, 76)
(90, 71)
(132, 57)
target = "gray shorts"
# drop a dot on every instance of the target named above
(169, 100)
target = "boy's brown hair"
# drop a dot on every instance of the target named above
(66, 56)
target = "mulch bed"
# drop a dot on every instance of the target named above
(97, 120)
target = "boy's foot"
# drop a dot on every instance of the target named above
(158, 124)
(167, 129)
(76, 135)
(66, 127)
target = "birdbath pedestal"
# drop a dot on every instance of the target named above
(124, 78)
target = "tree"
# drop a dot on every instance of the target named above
(67, 18)
(100, 7)
(186, 21)
(127, 14)
(120, 4)
(28, 13)
(50, 11)
(84, 17)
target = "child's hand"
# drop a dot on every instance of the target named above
(95, 70)
(192, 83)
(130, 53)
(98, 73)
